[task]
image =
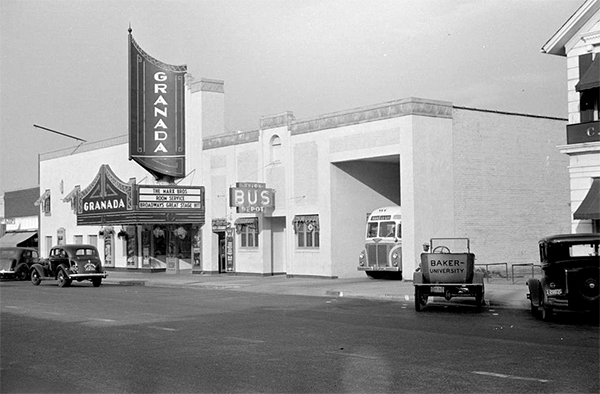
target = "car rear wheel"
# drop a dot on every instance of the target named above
(534, 308)
(545, 311)
(420, 300)
(21, 274)
(479, 300)
(35, 277)
(63, 281)
(97, 282)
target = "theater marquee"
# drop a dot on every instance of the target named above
(108, 200)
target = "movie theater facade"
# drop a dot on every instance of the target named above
(292, 196)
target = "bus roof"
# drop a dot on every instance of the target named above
(394, 212)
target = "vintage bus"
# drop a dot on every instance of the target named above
(382, 256)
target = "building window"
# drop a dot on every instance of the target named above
(48, 243)
(307, 231)
(78, 239)
(276, 149)
(93, 240)
(248, 237)
(247, 230)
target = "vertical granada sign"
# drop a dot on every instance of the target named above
(156, 113)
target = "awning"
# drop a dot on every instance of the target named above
(14, 239)
(250, 222)
(590, 206)
(309, 220)
(42, 198)
(591, 78)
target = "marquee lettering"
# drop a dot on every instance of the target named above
(103, 205)
(160, 109)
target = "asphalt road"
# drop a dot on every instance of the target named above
(117, 339)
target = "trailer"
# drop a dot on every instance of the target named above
(447, 269)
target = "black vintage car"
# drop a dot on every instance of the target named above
(67, 263)
(570, 267)
(15, 262)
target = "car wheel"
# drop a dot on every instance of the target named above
(479, 300)
(420, 300)
(63, 281)
(545, 311)
(534, 308)
(35, 277)
(21, 274)
(97, 282)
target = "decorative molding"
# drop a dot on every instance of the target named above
(278, 120)
(393, 109)
(206, 85)
(230, 139)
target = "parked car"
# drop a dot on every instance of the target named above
(570, 267)
(15, 262)
(67, 263)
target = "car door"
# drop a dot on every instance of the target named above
(58, 257)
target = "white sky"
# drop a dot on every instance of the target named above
(63, 63)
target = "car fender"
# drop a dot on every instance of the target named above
(63, 268)
(39, 268)
(534, 286)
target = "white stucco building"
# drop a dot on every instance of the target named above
(494, 177)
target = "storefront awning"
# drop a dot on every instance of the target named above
(591, 78)
(250, 222)
(14, 239)
(590, 206)
(306, 219)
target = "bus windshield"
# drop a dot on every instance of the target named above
(382, 229)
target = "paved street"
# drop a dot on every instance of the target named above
(161, 339)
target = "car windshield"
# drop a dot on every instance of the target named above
(85, 252)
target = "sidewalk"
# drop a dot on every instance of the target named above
(498, 293)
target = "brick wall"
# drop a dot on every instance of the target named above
(511, 183)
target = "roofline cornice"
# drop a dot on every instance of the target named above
(556, 44)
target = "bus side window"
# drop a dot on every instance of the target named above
(399, 232)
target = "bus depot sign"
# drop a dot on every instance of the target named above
(249, 197)
(108, 200)
(156, 113)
